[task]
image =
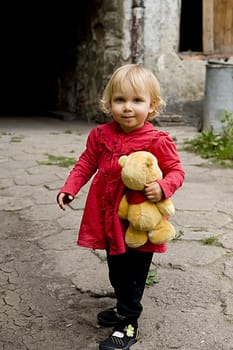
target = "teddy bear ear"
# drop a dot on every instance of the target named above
(149, 162)
(122, 160)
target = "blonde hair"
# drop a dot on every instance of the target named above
(141, 79)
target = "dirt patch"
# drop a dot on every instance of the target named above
(40, 311)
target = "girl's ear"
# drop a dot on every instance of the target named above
(152, 107)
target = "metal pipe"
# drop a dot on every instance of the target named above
(137, 44)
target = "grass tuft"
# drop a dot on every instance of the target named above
(212, 240)
(61, 161)
(217, 146)
(16, 139)
(152, 277)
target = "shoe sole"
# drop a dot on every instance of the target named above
(127, 347)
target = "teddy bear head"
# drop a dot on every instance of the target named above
(139, 168)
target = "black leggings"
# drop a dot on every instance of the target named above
(128, 273)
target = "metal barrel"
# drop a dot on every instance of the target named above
(218, 94)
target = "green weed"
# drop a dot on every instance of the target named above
(212, 240)
(152, 277)
(61, 161)
(217, 146)
(16, 139)
(179, 234)
(200, 229)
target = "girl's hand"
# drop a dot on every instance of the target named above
(153, 192)
(63, 199)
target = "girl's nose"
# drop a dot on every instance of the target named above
(127, 106)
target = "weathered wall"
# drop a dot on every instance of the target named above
(106, 44)
(107, 47)
(182, 81)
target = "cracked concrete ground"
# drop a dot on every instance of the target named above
(51, 290)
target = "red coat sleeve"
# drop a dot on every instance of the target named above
(84, 168)
(169, 163)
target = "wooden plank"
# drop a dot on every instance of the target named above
(218, 24)
(229, 26)
(223, 26)
(208, 26)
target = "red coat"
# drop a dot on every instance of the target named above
(100, 226)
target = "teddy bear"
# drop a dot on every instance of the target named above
(147, 220)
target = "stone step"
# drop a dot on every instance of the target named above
(169, 119)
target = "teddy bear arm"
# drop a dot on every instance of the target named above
(123, 208)
(166, 207)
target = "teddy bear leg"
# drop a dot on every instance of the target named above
(134, 238)
(163, 233)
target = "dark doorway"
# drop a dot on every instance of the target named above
(38, 43)
(191, 26)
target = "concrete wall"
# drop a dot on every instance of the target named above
(182, 80)
(107, 45)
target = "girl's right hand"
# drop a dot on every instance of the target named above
(63, 199)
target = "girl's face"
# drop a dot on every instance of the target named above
(129, 108)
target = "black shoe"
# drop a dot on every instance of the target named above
(108, 318)
(120, 339)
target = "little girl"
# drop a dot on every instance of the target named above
(132, 98)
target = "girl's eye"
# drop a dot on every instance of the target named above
(119, 99)
(138, 99)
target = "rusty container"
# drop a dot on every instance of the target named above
(218, 94)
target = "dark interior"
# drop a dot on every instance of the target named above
(191, 26)
(38, 44)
